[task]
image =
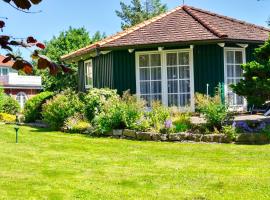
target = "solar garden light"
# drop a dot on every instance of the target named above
(17, 129)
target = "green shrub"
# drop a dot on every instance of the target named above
(61, 107)
(95, 100)
(33, 107)
(9, 105)
(4, 117)
(133, 110)
(158, 115)
(76, 124)
(182, 122)
(230, 131)
(111, 117)
(119, 113)
(215, 112)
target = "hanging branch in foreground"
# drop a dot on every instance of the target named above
(8, 42)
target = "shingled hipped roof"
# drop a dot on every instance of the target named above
(182, 24)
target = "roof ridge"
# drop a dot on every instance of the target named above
(125, 32)
(206, 25)
(230, 18)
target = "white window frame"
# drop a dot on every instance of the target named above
(87, 86)
(243, 50)
(164, 81)
(20, 94)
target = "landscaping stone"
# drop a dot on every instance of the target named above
(207, 138)
(117, 132)
(109, 133)
(178, 137)
(225, 139)
(129, 133)
(144, 136)
(156, 137)
(164, 137)
(216, 138)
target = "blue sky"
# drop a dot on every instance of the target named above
(58, 15)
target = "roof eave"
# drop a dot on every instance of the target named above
(87, 54)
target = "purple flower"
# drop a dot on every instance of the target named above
(250, 127)
(168, 123)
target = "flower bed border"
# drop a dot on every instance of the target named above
(177, 137)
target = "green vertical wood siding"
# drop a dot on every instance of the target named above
(208, 67)
(250, 52)
(124, 71)
(103, 71)
(115, 70)
(81, 82)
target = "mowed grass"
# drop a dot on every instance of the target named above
(54, 165)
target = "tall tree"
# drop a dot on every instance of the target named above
(138, 11)
(66, 42)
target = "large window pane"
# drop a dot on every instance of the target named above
(171, 59)
(238, 71)
(184, 100)
(183, 58)
(145, 74)
(156, 73)
(172, 73)
(155, 60)
(230, 57)
(230, 70)
(184, 86)
(145, 87)
(184, 72)
(172, 87)
(173, 100)
(238, 57)
(155, 87)
(144, 60)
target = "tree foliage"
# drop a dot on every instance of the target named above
(256, 83)
(139, 11)
(67, 41)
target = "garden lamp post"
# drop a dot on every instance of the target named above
(17, 129)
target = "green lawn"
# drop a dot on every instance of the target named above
(53, 165)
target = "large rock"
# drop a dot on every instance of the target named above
(144, 136)
(129, 133)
